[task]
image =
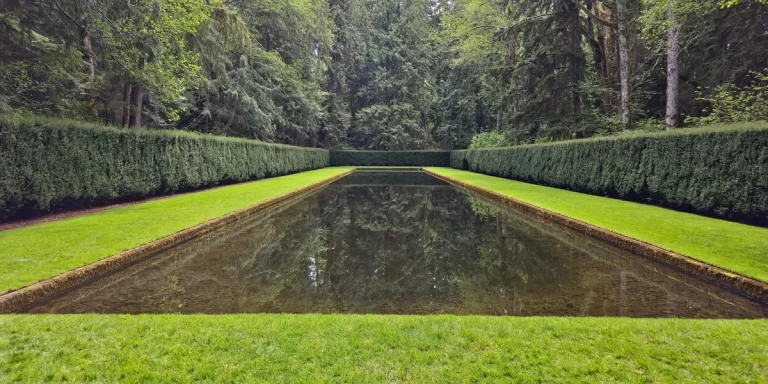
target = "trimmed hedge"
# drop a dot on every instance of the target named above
(51, 164)
(719, 172)
(391, 158)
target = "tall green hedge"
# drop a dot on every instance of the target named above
(49, 164)
(719, 172)
(391, 158)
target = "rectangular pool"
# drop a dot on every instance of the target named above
(400, 243)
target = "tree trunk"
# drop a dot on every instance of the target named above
(512, 54)
(577, 61)
(229, 122)
(90, 68)
(136, 98)
(606, 98)
(605, 37)
(621, 16)
(498, 120)
(126, 104)
(673, 79)
(597, 43)
(512, 46)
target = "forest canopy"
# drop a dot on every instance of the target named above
(387, 74)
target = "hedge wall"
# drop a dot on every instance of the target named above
(717, 172)
(391, 158)
(49, 164)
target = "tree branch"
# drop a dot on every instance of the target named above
(589, 13)
(587, 33)
(62, 11)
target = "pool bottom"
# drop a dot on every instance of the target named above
(367, 245)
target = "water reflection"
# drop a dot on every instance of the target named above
(400, 243)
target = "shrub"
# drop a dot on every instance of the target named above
(719, 171)
(488, 140)
(391, 158)
(50, 164)
(729, 103)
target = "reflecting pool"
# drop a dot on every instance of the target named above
(402, 243)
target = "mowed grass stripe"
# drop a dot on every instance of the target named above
(374, 348)
(733, 246)
(40, 251)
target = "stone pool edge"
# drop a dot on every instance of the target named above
(14, 300)
(737, 282)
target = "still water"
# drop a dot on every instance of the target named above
(404, 243)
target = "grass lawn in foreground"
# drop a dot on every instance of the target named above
(375, 348)
(37, 252)
(733, 246)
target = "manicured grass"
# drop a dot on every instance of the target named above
(38, 252)
(736, 247)
(354, 348)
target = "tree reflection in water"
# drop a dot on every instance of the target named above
(400, 243)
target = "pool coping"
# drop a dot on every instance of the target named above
(17, 299)
(745, 285)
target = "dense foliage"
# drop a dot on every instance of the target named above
(53, 164)
(730, 103)
(385, 74)
(489, 139)
(718, 172)
(392, 158)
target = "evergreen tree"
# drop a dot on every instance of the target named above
(383, 74)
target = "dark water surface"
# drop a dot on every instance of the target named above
(400, 242)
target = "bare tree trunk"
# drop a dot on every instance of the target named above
(136, 98)
(126, 104)
(90, 68)
(512, 45)
(673, 79)
(229, 122)
(139, 100)
(597, 43)
(605, 37)
(498, 120)
(577, 63)
(621, 17)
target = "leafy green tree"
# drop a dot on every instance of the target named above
(38, 74)
(489, 139)
(393, 90)
(728, 103)
(390, 74)
(129, 49)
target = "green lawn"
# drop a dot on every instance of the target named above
(38, 252)
(371, 348)
(354, 348)
(736, 247)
